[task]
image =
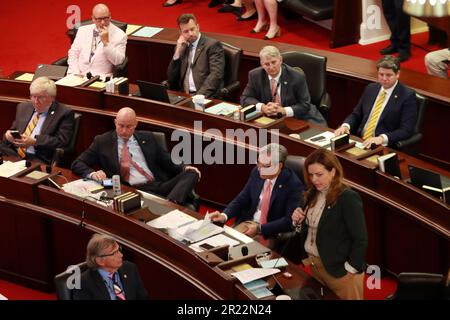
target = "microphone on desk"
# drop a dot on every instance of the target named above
(59, 152)
(244, 251)
(373, 146)
(27, 163)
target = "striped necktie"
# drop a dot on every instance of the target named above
(188, 68)
(126, 162)
(31, 125)
(274, 89)
(371, 124)
(117, 289)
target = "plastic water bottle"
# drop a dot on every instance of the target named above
(116, 185)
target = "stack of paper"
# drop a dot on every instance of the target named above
(8, 168)
(215, 241)
(199, 230)
(147, 32)
(172, 219)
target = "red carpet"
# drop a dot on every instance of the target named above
(36, 30)
(16, 292)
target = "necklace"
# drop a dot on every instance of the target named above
(313, 218)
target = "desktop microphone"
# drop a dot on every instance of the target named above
(373, 146)
(89, 75)
(244, 251)
(27, 163)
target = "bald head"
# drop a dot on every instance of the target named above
(101, 15)
(126, 123)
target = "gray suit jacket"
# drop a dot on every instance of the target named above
(56, 130)
(294, 93)
(207, 68)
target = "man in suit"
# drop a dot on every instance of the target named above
(97, 47)
(387, 110)
(43, 124)
(139, 160)
(272, 192)
(279, 90)
(198, 64)
(399, 23)
(108, 277)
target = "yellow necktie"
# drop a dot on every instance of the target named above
(371, 124)
(28, 131)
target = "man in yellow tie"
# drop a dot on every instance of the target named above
(41, 125)
(387, 110)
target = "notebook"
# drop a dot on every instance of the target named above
(54, 72)
(158, 92)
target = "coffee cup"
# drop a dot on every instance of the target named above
(199, 101)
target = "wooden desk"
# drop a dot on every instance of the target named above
(408, 229)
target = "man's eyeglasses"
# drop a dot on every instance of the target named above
(119, 249)
(102, 19)
(37, 97)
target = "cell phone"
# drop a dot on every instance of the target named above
(107, 183)
(318, 138)
(15, 134)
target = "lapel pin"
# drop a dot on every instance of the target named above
(280, 186)
(395, 96)
(125, 276)
(52, 112)
(285, 82)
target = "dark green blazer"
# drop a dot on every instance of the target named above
(342, 234)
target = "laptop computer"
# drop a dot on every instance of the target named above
(158, 92)
(54, 72)
(430, 181)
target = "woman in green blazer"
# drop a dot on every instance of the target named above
(333, 227)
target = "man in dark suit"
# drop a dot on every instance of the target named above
(108, 277)
(139, 160)
(268, 199)
(387, 110)
(279, 90)
(43, 124)
(399, 23)
(198, 64)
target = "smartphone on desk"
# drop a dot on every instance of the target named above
(15, 134)
(107, 183)
(319, 138)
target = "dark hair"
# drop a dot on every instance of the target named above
(330, 162)
(389, 62)
(185, 17)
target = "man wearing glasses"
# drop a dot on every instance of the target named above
(41, 125)
(97, 47)
(264, 205)
(108, 277)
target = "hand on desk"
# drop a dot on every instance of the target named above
(341, 130)
(272, 109)
(374, 140)
(217, 216)
(98, 175)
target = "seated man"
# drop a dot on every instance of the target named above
(265, 204)
(279, 90)
(108, 277)
(139, 160)
(42, 124)
(438, 62)
(387, 110)
(98, 47)
(198, 64)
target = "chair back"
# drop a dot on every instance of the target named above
(61, 156)
(421, 106)
(233, 57)
(419, 286)
(63, 292)
(121, 25)
(296, 163)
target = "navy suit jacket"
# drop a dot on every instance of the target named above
(399, 116)
(102, 153)
(286, 196)
(93, 287)
(294, 93)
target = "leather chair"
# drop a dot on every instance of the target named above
(296, 163)
(121, 70)
(420, 286)
(62, 155)
(193, 200)
(313, 9)
(314, 67)
(62, 291)
(412, 144)
(233, 57)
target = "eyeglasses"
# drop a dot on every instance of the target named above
(38, 97)
(102, 19)
(119, 249)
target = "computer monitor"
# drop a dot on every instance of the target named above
(158, 92)
(51, 71)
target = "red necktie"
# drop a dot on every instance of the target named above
(265, 202)
(274, 88)
(117, 289)
(125, 162)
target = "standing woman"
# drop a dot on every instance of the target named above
(334, 227)
(267, 8)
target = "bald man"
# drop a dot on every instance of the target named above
(97, 47)
(139, 160)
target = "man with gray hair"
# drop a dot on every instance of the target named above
(41, 125)
(387, 110)
(108, 277)
(265, 205)
(279, 90)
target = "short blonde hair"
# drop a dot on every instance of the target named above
(269, 52)
(43, 84)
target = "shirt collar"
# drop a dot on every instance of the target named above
(195, 43)
(390, 90)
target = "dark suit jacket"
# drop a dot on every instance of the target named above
(102, 153)
(56, 130)
(341, 234)
(285, 197)
(399, 116)
(207, 68)
(294, 93)
(93, 287)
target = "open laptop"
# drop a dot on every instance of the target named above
(158, 92)
(422, 177)
(54, 72)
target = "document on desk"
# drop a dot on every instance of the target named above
(199, 230)
(71, 80)
(147, 32)
(172, 219)
(9, 168)
(214, 241)
(82, 188)
(222, 109)
(25, 77)
(248, 275)
(237, 235)
(132, 28)
(322, 139)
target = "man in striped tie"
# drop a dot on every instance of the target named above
(387, 110)
(41, 125)
(108, 277)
